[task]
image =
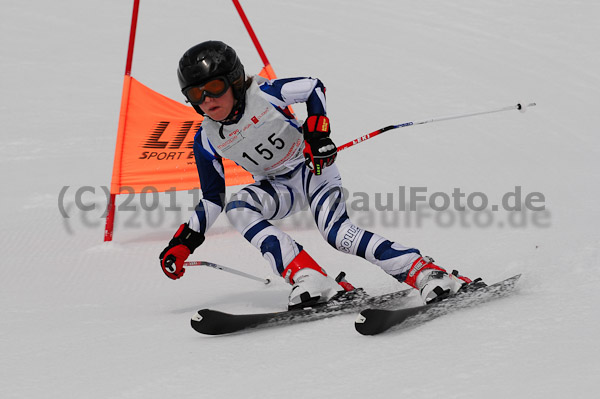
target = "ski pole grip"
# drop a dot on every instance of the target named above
(169, 263)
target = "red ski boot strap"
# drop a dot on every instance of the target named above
(417, 267)
(463, 278)
(341, 280)
(301, 261)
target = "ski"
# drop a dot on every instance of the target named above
(375, 321)
(214, 322)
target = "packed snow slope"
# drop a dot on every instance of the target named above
(85, 319)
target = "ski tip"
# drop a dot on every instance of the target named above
(364, 325)
(373, 321)
(214, 322)
(511, 281)
(196, 322)
(197, 317)
(201, 322)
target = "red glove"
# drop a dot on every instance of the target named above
(183, 243)
(319, 150)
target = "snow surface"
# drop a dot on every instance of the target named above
(86, 319)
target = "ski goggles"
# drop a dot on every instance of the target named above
(214, 89)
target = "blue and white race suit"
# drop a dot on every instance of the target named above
(267, 141)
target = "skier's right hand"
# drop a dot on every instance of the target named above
(183, 243)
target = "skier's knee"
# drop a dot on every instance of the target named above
(241, 205)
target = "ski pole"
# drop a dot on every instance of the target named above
(227, 269)
(521, 107)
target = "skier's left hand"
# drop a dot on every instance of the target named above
(319, 149)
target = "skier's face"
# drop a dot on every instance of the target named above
(218, 108)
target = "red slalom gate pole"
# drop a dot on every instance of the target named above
(110, 207)
(246, 22)
(134, 18)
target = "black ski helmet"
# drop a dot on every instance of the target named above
(209, 60)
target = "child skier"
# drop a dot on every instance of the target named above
(247, 121)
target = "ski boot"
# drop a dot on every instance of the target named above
(310, 283)
(434, 283)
